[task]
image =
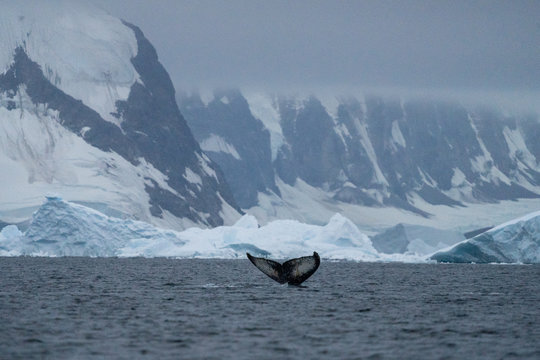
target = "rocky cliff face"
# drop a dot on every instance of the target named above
(369, 151)
(104, 132)
(236, 140)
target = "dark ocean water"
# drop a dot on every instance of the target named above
(84, 308)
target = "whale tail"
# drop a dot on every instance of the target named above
(294, 271)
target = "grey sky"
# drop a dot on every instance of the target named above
(457, 45)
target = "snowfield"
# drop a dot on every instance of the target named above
(61, 228)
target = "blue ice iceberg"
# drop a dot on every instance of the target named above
(517, 241)
(61, 228)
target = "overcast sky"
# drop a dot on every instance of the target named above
(457, 45)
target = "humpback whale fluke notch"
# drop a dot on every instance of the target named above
(294, 271)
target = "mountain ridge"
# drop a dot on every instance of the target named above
(372, 151)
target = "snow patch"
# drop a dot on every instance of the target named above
(265, 108)
(458, 178)
(151, 175)
(365, 140)
(216, 143)
(203, 163)
(397, 136)
(343, 132)
(518, 148)
(82, 50)
(206, 96)
(192, 177)
(227, 212)
(330, 104)
(484, 164)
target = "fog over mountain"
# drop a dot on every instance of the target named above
(482, 49)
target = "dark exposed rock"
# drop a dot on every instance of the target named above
(232, 120)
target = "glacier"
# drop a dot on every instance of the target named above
(517, 241)
(62, 228)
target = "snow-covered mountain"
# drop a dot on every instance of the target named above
(87, 111)
(307, 157)
(517, 241)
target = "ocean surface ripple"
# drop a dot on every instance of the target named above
(93, 308)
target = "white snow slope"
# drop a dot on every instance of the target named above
(84, 52)
(87, 54)
(39, 156)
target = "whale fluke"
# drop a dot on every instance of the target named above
(294, 271)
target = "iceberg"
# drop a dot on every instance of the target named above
(62, 228)
(517, 241)
(10, 238)
(280, 239)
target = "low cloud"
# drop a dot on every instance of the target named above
(455, 46)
